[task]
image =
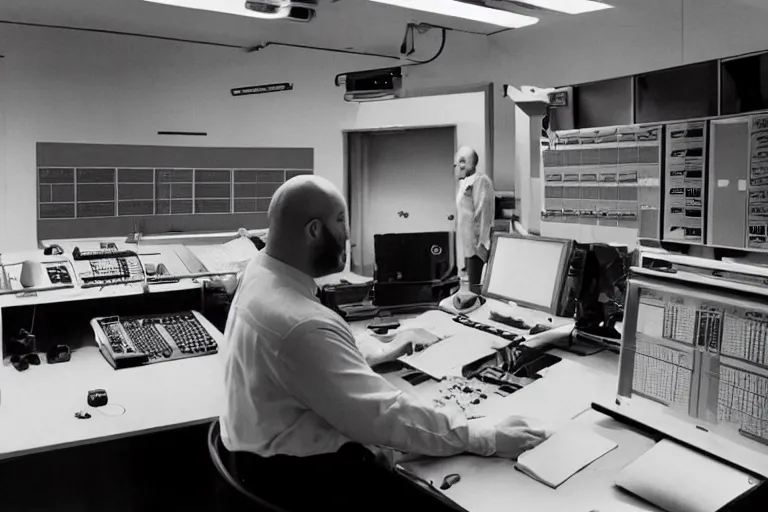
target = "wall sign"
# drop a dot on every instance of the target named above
(262, 89)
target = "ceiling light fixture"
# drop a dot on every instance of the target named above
(467, 11)
(264, 9)
(569, 6)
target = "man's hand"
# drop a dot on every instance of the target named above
(405, 343)
(415, 339)
(514, 436)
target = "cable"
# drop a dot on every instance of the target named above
(412, 62)
(318, 48)
(435, 56)
(32, 325)
(110, 406)
(119, 33)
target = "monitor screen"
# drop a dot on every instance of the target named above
(697, 354)
(527, 271)
(679, 93)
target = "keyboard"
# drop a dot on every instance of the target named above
(79, 255)
(513, 338)
(138, 340)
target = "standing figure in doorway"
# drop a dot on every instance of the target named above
(475, 207)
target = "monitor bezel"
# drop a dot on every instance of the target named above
(560, 278)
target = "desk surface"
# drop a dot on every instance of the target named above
(37, 407)
(37, 414)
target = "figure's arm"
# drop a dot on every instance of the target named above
(331, 377)
(484, 213)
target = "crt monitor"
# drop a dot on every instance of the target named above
(530, 271)
(600, 298)
(414, 257)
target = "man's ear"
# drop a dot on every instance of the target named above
(313, 229)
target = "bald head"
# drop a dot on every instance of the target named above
(308, 225)
(465, 163)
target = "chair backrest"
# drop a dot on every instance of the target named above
(214, 449)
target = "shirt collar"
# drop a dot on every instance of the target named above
(303, 282)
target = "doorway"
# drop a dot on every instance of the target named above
(400, 181)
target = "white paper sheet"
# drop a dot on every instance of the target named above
(447, 357)
(678, 479)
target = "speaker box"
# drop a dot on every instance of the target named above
(414, 257)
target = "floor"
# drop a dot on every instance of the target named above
(158, 472)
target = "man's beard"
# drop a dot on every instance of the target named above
(332, 255)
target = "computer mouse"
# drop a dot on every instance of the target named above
(33, 274)
(539, 328)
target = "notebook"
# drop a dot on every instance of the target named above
(563, 455)
(678, 479)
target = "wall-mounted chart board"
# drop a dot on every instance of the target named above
(685, 193)
(605, 177)
(757, 205)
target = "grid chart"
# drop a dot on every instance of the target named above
(666, 317)
(709, 323)
(662, 373)
(76, 193)
(744, 336)
(743, 400)
(605, 176)
(732, 343)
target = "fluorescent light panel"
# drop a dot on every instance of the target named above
(236, 7)
(467, 11)
(569, 6)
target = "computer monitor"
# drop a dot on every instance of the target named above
(530, 271)
(694, 363)
(600, 296)
(414, 257)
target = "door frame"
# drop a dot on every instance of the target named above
(358, 186)
(470, 121)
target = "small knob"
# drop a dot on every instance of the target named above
(451, 217)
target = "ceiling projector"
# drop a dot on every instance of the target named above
(292, 10)
(372, 85)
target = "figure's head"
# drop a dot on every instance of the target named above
(465, 162)
(308, 226)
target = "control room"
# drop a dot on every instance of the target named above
(223, 285)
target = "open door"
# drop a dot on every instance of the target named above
(403, 183)
(394, 151)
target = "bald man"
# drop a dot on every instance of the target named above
(475, 207)
(304, 415)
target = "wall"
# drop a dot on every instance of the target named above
(61, 86)
(637, 36)
(65, 86)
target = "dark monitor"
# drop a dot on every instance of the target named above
(600, 299)
(680, 93)
(414, 257)
(744, 86)
(605, 103)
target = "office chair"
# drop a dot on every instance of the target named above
(215, 448)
